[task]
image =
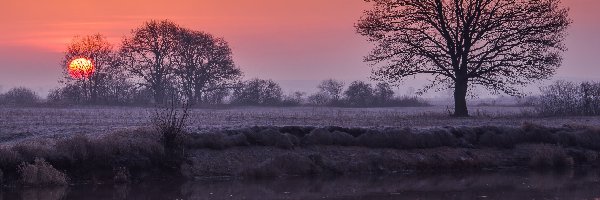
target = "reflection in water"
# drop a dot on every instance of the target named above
(570, 185)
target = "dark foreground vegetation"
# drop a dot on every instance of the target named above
(261, 152)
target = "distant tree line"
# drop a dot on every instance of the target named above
(561, 98)
(253, 92)
(161, 61)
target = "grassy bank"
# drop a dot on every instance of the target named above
(261, 152)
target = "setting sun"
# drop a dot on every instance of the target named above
(81, 68)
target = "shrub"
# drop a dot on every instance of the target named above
(407, 101)
(294, 99)
(549, 156)
(318, 99)
(141, 148)
(359, 94)
(67, 95)
(169, 122)
(19, 96)
(30, 150)
(568, 98)
(330, 93)
(258, 92)
(41, 173)
(9, 158)
(74, 150)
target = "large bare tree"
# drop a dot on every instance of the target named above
(148, 54)
(204, 65)
(498, 44)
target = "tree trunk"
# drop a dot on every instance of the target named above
(159, 95)
(460, 99)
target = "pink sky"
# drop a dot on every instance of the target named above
(296, 42)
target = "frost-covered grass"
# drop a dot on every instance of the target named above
(21, 123)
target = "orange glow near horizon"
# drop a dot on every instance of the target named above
(81, 68)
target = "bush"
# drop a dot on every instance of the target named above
(141, 148)
(359, 94)
(318, 99)
(134, 149)
(20, 96)
(9, 158)
(258, 92)
(567, 98)
(169, 122)
(30, 150)
(407, 101)
(41, 173)
(74, 150)
(294, 99)
(549, 157)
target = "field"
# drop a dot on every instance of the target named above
(17, 124)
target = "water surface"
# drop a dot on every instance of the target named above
(488, 185)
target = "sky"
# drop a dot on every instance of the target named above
(295, 42)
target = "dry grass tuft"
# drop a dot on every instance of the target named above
(41, 173)
(549, 157)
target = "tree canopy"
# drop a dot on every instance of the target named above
(497, 44)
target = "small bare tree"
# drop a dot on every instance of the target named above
(332, 89)
(170, 122)
(498, 44)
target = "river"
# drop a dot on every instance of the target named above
(480, 185)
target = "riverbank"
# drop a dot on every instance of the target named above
(267, 152)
